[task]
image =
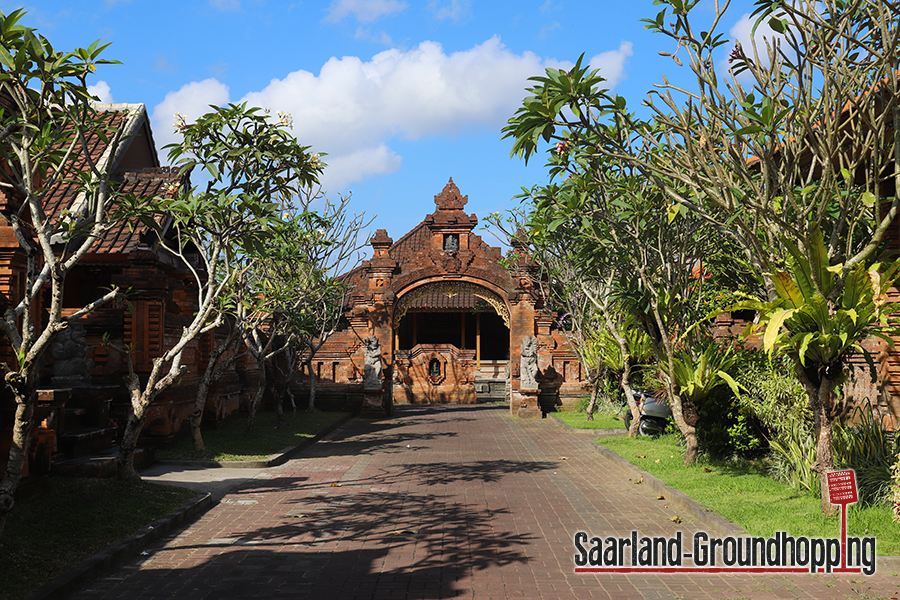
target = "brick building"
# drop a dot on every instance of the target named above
(83, 403)
(450, 321)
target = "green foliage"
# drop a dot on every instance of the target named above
(727, 429)
(794, 452)
(608, 400)
(255, 168)
(862, 444)
(772, 393)
(895, 490)
(816, 319)
(698, 372)
(48, 97)
(577, 90)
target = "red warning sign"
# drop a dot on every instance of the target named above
(842, 487)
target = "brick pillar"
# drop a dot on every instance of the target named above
(380, 311)
(523, 403)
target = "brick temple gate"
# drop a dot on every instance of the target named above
(450, 321)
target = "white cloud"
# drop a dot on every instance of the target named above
(547, 30)
(344, 170)
(353, 108)
(612, 63)
(381, 38)
(226, 5)
(192, 100)
(743, 31)
(420, 92)
(101, 90)
(549, 6)
(455, 10)
(364, 11)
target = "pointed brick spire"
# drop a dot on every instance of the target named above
(450, 198)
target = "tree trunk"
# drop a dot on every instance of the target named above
(283, 383)
(260, 392)
(691, 445)
(279, 397)
(140, 401)
(821, 401)
(595, 388)
(279, 406)
(141, 398)
(210, 376)
(312, 386)
(18, 452)
(662, 341)
(625, 381)
(824, 458)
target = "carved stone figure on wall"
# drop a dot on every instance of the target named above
(71, 365)
(451, 242)
(372, 366)
(529, 364)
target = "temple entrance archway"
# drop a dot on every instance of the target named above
(451, 344)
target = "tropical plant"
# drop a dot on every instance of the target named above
(819, 321)
(794, 452)
(698, 373)
(773, 394)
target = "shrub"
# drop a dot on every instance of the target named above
(726, 429)
(793, 453)
(862, 444)
(605, 404)
(773, 395)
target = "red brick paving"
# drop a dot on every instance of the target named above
(443, 502)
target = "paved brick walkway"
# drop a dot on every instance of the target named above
(445, 502)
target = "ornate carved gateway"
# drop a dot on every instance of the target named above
(449, 321)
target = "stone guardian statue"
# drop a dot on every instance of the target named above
(372, 367)
(529, 364)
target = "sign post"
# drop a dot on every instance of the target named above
(842, 490)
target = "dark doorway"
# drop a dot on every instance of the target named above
(484, 332)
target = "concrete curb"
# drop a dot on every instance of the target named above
(279, 458)
(119, 553)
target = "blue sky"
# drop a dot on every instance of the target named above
(402, 95)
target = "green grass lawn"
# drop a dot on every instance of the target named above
(53, 532)
(230, 441)
(744, 495)
(578, 420)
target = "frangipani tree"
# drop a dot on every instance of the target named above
(620, 231)
(255, 168)
(46, 123)
(795, 133)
